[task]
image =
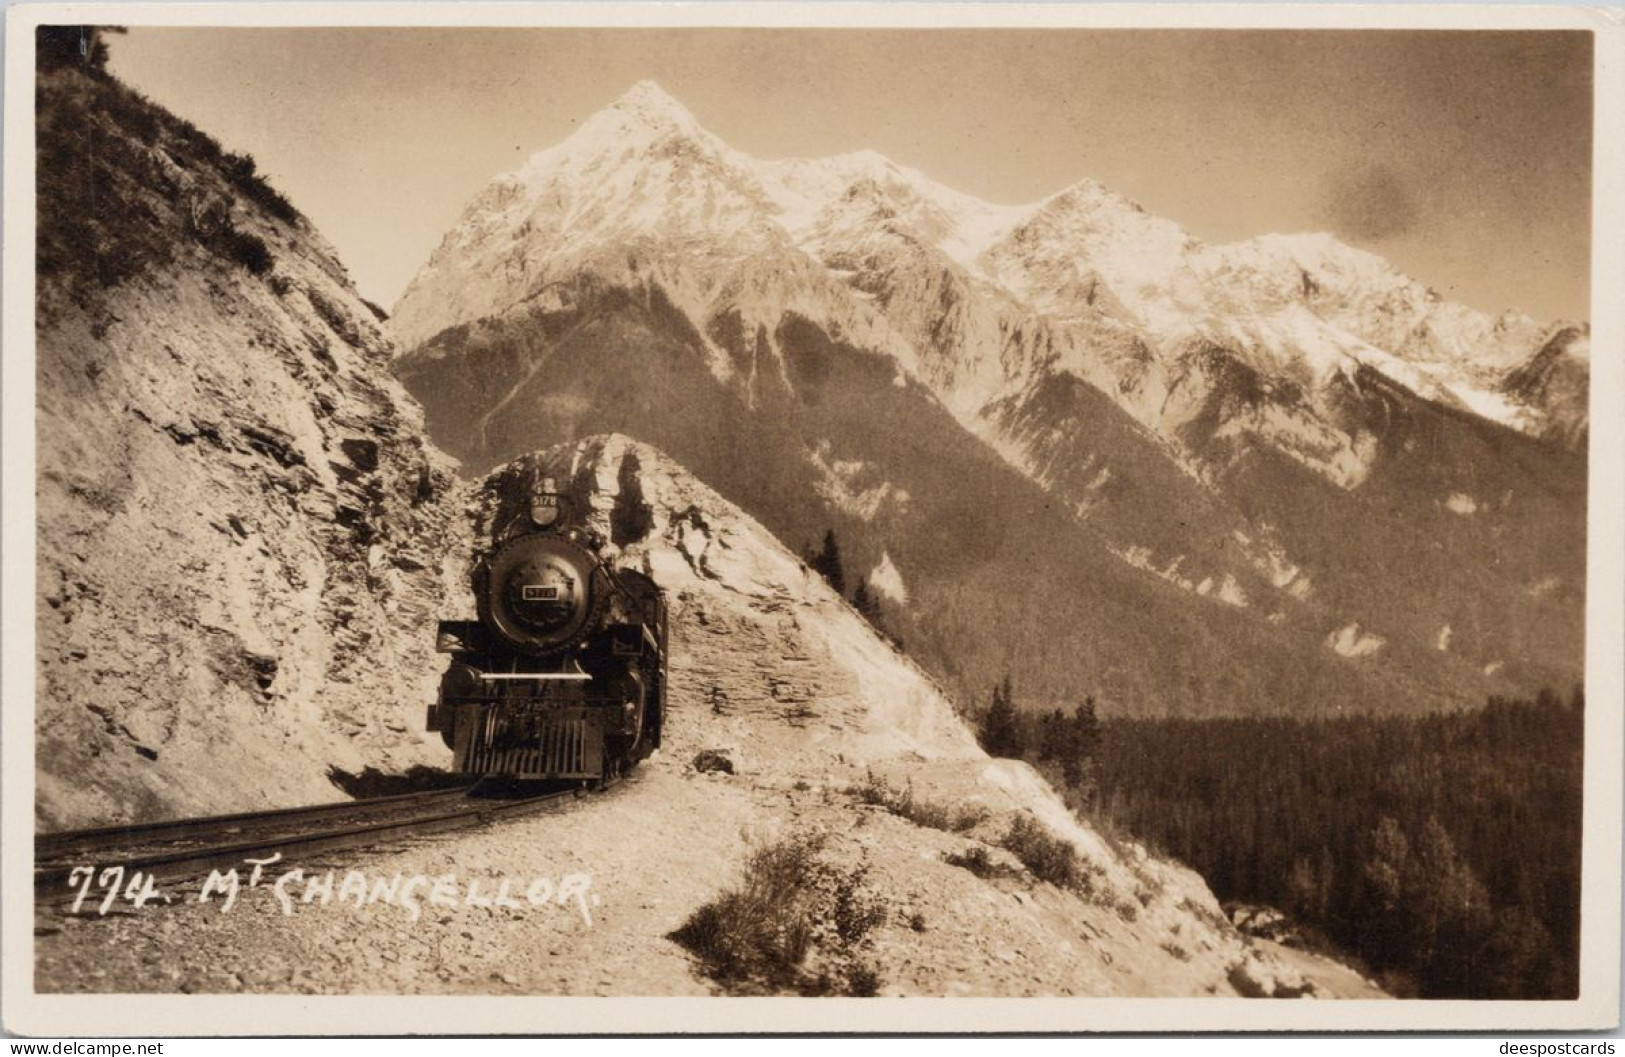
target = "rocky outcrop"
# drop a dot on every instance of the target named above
(1557, 379)
(241, 530)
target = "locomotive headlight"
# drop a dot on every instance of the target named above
(544, 594)
(537, 592)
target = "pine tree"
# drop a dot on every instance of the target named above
(867, 605)
(1052, 732)
(84, 46)
(1086, 729)
(1080, 768)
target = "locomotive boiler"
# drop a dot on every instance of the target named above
(563, 676)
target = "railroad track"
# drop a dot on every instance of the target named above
(187, 848)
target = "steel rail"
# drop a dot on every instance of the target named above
(53, 883)
(76, 843)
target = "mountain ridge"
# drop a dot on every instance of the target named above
(1215, 419)
(784, 200)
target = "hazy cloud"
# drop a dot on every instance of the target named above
(1372, 203)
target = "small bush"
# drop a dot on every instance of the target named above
(797, 923)
(927, 813)
(246, 249)
(863, 982)
(213, 227)
(336, 318)
(200, 144)
(976, 859)
(242, 171)
(855, 912)
(1048, 858)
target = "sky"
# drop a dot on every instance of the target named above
(1463, 157)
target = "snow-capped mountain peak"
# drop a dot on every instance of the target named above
(644, 121)
(647, 101)
(642, 192)
(644, 114)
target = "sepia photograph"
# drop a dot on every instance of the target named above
(611, 503)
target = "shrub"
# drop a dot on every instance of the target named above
(796, 923)
(246, 249)
(976, 859)
(199, 143)
(337, 319)
(95, 228)
(243, 172)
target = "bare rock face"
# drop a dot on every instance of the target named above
(241, 529)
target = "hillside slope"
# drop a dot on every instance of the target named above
(241, 528)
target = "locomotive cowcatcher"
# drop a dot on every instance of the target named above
(564, 673)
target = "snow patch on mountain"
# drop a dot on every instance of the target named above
(1545, 586)
(1271, 561)
(1461, 503)
(850, 485)
(1352, 640)
(1142, 558)
(886, 578)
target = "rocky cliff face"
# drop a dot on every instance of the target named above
(242, 533)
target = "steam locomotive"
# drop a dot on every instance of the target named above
(563, 676)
